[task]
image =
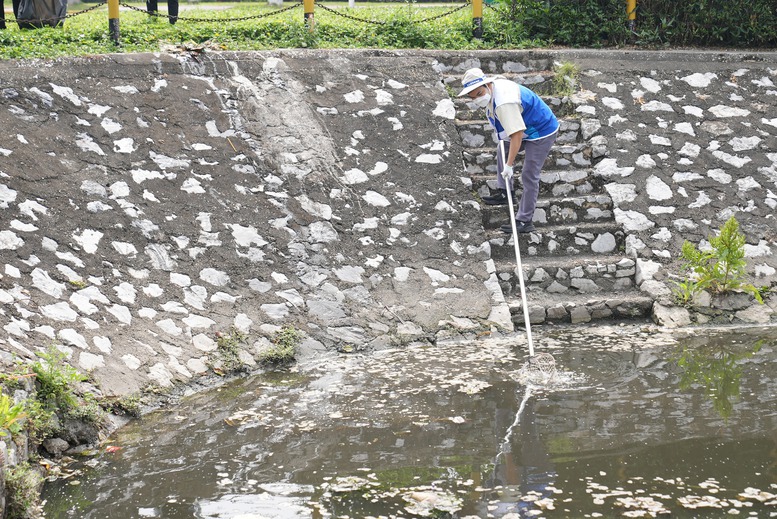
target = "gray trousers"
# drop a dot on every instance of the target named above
(536, 154)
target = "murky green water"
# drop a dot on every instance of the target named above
(633, 422)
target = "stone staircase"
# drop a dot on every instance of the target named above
(575, 269)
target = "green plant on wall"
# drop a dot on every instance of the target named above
(284, 346)
(720, 269)
(11, 415)
(56, 379)
(228, 349)
(22, 485)
(565, 78)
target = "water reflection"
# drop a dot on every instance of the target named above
(523, 471)
(394, 433)
(716, 366)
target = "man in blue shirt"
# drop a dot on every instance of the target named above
(524, 122)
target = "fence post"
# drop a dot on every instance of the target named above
(477, 19)
(631, 14)
(113, 20)
(308, 6)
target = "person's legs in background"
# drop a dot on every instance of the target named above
(172, 11)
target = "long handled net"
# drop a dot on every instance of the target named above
(541, 366)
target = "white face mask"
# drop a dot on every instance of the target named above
(482, 101)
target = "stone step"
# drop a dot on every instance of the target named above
(554, 182)
(499, 62)
(571, 275)
(547, 308)
(482, 161)
(560, 240)
(555, 210)
(536, 78)
(478, 133)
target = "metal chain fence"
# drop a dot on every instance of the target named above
(219, 20)
(243, 18)
(379, 22)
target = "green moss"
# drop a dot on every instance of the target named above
(22, 484)
(284, 347)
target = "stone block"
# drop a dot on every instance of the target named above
(557, 312)
(585, 286)
(579, 314)
(600, 311)
(733, 301)
(757, 314)
(671, 316)
(536, 314)
(646, 269)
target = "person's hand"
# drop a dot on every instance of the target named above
(507, 172)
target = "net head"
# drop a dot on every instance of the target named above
(540, 368)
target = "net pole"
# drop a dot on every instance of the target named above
(519, 266)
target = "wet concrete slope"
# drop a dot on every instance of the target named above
(150, 202)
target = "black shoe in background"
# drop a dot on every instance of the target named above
(520, 227)
(498, 198)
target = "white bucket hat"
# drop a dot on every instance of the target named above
(472, 79)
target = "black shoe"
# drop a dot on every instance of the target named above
(498, 198)
(520, 227)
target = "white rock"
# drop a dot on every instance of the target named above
(723, 111)
(323, 232)
(684, 224)
(656, 106)
(604, 243)
(131, 361)
(121, 313)
(734, 160)
(59, 312)
(747, 183)
(646, 161)
(355, 96)
(445, 108)
(686, 128)
(429, 158)
(88, 240)
(349, 274)
(612, 103)
(70, 337)
(103, 344)
(43, 282)
(275, 311)
(633, 220)
(650, 84)
(702, 200)
(436, 276)
(744, 143)
(375, 199)
(657, 189)
(245, 236)
(764, 270)
(699, 80)
(354, 176)
(720, 176)
(89, 361)
(204, 343)
(198, 321)
(161, 375)
(609, 168)
(214, 277)
(659, 140)
(169, 326)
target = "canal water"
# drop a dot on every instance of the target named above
(635, 423)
